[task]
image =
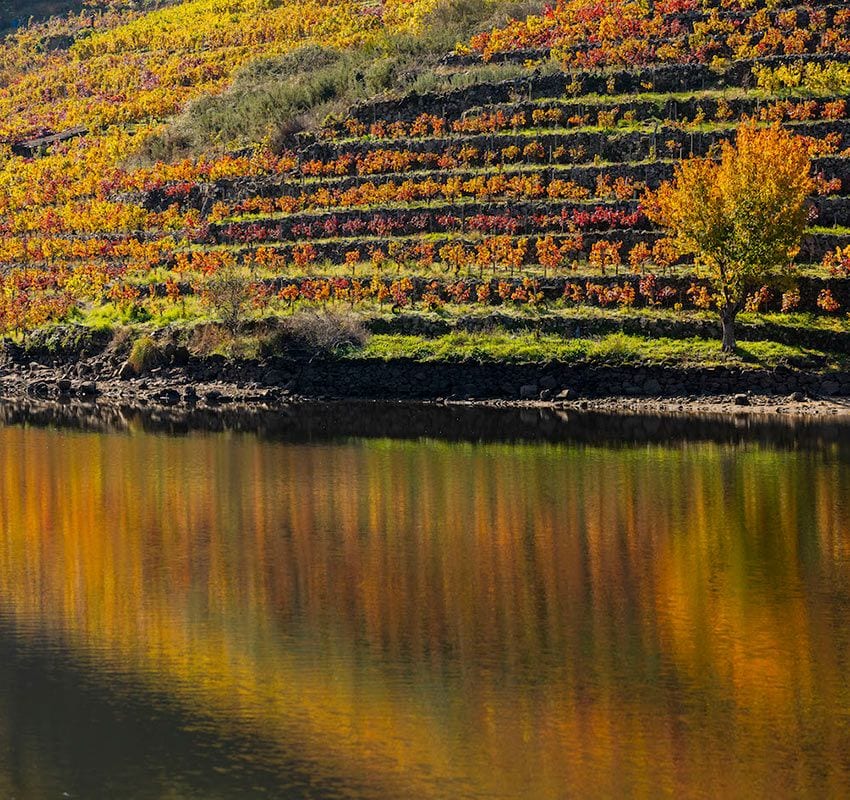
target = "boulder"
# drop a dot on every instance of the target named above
(88, 389)
(126, 371)
(180, 357)
(38, 389)
(166, 397)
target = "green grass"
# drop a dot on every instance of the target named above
(496, 345)
(835, 230)
(645, 127)
(657, 98)
(191, 311)
(840, 323)
(616, 348)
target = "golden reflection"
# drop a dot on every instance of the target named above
(441, 620)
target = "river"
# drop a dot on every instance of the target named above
(469, 604)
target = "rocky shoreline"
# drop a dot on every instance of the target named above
(190, 381)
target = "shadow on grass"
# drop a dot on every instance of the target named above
(771, 354)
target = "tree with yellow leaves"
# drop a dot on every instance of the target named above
(741, 217)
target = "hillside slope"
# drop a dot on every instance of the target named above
(13, 15)
(507, 178)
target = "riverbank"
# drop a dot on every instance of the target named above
(187, 380)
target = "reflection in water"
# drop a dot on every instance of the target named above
(379, 618)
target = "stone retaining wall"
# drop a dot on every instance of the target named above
(407, 379)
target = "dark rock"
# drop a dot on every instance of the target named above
(126, 371)
(566, 395)
(166, 397)
(38, 389)
(829, 388)
(180, 357)
(547, 382)
(546, 395)
(213, 397)
(741, 400)
(652, 386)
(798, 397)
(88, 389)
(528, 392)
(63, 385)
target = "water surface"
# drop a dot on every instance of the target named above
(225, 614)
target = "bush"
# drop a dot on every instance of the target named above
(318, 333)
(227, 294)
(145, 355)
(285, 93)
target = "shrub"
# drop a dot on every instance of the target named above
(826, 302)
(790, 300)
(227, 294)
(323, 332)
(144, 355)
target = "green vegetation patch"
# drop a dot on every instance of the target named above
(274, 98)
(617, 348)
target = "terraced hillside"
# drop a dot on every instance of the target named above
(504, 191)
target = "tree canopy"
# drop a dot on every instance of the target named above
(742, 217)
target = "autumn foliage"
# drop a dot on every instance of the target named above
(423, 202)
(742, 217)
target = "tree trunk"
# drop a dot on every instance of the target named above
(727, 322)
